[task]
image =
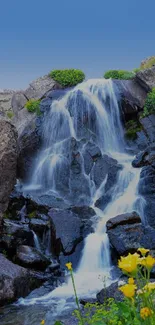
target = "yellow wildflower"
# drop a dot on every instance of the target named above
(42, 322)
(128, 290)
(131, 281)
(145, 312)
(150, 286)
(148, 261)
(143, 251)
(69, 266)
(129, 263)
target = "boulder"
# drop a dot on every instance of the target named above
(148, 124)
(40, 87)
(15, 281)
(31, 258)
(146, 78)
(39, 225)
(127, 233)
(5, 100)
(132, 96)
(18, 102)
(146, 157)
(68, 231)
(109, 292)
(8, 161)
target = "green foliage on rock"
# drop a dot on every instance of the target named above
(149, 107)
(119, 74)
(33, 106)
(67, 77)
(132, 127)
(10, 114)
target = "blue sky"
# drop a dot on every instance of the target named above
(38, 36)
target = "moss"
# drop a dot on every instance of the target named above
(67, 77)
(32, 214)
(149, 107)
(119, 74)
(132, 127)
(148, 63)
(10, 114)
(6, 215)
(33, 106)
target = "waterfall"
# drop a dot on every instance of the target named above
(36, 241)
(89, 111)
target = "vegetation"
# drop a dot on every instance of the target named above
(68, 77)
(132, 127)
(10, 114)
(119, 74)
(149, 107)
(33, 106)
(138, 303)
(148, 63)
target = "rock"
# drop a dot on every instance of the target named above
(15, 281)
(109, 292)
(39, 225)
(126, 234)
(122, 219)
(29, 257)
(40, 87)
(147, 61)
(68, 231)
(146, 78)
(145, 158)
(5, 100)
(139, 160)
(18, 102)
(8, 161)
(148, 124)
(132, 96)
(105, 166)
(15, 234)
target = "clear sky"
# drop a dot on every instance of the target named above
(37, 36)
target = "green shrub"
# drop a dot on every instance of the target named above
(68, 77)
(119, 74)
(149, 107)
(136, 70)
(33, 106)
(10, 114)
(132, 127)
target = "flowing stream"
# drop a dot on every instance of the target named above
(90, 111)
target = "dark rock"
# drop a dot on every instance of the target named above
(103, 167)
(122, 219)
(146, 78)
(29, 257)
(126, 234)
(15, 281)
(39, 225)
(139, 160)
(110, 292)
(45, 105)
(132, 96)
(148, 124)
(8, 162)
(40, 87)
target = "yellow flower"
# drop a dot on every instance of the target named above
(128, 290)
(129, 263)
(145, 312)
(150, 286)
(69, 266)
(148, 261)
(131, 281)
(143, 251)
(42, 322)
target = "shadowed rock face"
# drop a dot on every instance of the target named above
(146, 78)
(8, 162)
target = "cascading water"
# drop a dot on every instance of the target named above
(89, 111)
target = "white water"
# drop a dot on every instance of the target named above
(99, 100)
(36, 241)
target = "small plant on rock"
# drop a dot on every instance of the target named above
(149, 107)
(119, 74)
(33, 106)
(67, 77)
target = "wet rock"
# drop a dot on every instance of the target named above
(146, 78)
(68, 231)
(105, 166)
(145, 158)
(127, 233)
(15, 281)
(139, 160)
(39, 225)
(45, 105)
(15, 234)
(29, 257)
(110, 292)
(132, 96)
(8, 161)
